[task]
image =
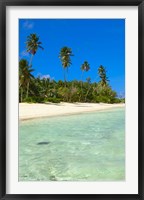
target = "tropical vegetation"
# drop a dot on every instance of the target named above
(41, 90)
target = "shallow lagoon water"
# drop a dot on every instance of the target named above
(82, 147)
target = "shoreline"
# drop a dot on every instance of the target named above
(28, 111)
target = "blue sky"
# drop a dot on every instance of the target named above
(98, 41)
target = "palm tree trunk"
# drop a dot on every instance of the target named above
(28, 81)
(21, 95)
(27, 90)
(81, 85)
(67, 74)
(87, 93)
(65, 77)
(31, 60)
(81, 79)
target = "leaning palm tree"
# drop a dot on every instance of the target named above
(32, 45)
(64, 56)
(24, 77)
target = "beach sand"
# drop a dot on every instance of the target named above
(37, 110)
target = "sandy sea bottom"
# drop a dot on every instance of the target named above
(82, 147)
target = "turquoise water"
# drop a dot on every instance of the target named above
(83, 147)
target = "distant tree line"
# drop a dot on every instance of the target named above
(37, 89)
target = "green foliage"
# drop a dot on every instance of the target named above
(102, 75)
(33, 43)
(33, 99)
(85, 66)
(30, 100)
(43, 90)
(25, 77)
(120, 100)
(64, 55)
(53, 100)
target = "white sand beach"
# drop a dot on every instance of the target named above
(35, 110)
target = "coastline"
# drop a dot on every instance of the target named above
(38, 110)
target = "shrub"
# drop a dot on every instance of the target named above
(52, 99)
(29, 100)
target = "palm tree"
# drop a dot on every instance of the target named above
(85, 67)
(64, 56)
(32, 45)
(45, 82)
(89, 87)
(102, 75)
(24, 76)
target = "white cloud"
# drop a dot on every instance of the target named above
(45, 76)
(41, 76)
(28, 25)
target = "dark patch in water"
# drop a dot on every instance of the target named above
(42, 143)
(53, 178)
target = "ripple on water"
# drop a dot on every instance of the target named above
(84, 147)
